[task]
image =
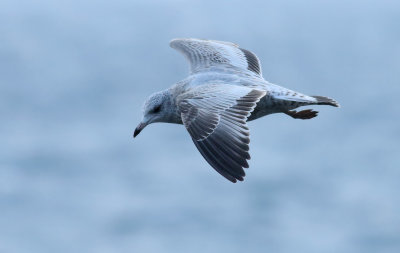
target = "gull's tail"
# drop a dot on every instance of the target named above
(326, 101)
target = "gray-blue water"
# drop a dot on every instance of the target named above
(74, 75)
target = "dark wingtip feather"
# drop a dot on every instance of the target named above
(252, 61)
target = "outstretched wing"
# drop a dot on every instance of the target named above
(215, 117)
(203, 54)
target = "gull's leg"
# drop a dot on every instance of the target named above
(305, 114)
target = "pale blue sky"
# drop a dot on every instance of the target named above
(74, 75)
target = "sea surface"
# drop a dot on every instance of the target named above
(73, 78)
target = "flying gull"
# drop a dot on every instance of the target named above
(223, 91)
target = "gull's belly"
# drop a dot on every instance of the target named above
(268, 105)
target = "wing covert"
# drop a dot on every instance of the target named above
(203, 54)
(215, 117)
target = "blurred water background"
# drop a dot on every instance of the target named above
(74, 75)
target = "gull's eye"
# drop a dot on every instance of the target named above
(156, 109)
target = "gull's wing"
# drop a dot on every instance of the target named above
(215, 116)
(203, 54)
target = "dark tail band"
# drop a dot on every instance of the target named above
(326, 101)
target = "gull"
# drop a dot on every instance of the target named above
(224, 90)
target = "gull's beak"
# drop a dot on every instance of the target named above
(138, 129)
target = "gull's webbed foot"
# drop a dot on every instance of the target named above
(305, 114)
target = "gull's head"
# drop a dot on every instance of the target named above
(157, 108)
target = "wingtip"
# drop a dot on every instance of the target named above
(175, 42)
(235, 180)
